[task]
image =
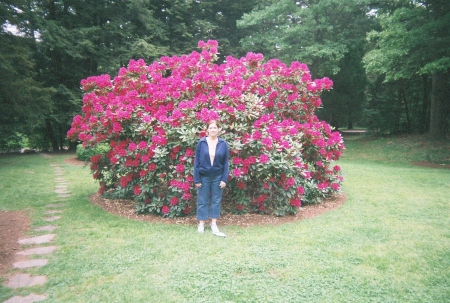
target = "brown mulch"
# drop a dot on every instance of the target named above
(430, 165)
(126, 208)
(13, 225)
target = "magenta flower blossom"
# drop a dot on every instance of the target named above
(263, 159)
(174, 201)
(267, 142)
(165, 209)
(237, 161)
(137, 190)
(335, 186)
(180, 168)
(323, 185)
(132, 146)
(295, 202)
(237, 172)
(142, 145)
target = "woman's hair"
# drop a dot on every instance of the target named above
(212, 122)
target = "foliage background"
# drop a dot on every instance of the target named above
(389, 59)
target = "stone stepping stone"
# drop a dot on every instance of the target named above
(38, 239)
(47, 212)
(60, 179)
(38, 251)
(61, 191)
(25, 280)
(30, 263)
(50, 219)
(64, 195)
(60, 187)
(46, 228)
(56, 205)
(28, 299)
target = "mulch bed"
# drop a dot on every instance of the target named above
(126, 208)
(431, 165)
(13, 225)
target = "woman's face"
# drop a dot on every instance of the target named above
(213, 130)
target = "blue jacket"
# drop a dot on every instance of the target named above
(202, 161)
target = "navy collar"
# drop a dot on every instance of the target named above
(219, 139)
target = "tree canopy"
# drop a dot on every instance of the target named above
(389, 60)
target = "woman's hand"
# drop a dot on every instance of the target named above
(222, 184)
(198, 185)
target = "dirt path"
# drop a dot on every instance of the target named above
(13, 225)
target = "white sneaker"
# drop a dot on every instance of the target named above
(201, 228)
(215, 230)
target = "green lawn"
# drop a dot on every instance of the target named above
(390, 241)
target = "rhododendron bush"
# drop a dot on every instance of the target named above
(152, 117)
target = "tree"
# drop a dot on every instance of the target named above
(23, 100)
(412, 45)
(328, 35)
(72, 39)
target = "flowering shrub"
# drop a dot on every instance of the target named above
(152, 117)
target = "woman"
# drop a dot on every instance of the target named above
(210, 176)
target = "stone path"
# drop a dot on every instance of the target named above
(54, 212)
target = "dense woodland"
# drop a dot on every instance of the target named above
(389, 60)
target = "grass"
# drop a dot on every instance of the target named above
(390, 242)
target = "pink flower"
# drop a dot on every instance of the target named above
(337, 168)
(151, 166)
(189, 152)
(290, 182)
(187, 210)
(137, 190)
(237, 161)
(301, 190)
(237, 173)
(165, 209)
(323, 185)
(295, 202)
(174, 201)
(335, 186)
(142, 145)
(267, 142)
(179, 168)
(117, 128)
(187, 196)
(306, 174)
(241, 185)
(264, 159)
(256, 135)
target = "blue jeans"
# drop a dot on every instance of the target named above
(209, 197)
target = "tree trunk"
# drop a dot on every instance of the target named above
(440, 94)
(424, 121)
(408, 118)
(350, 124)
(51, 135)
